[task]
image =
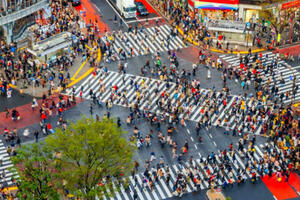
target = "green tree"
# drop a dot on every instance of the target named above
(37, 173)
(89, 152)
(279, 24)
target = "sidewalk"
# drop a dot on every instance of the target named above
(243, 50)
(292, 50)
(91, 15)
(77, 68)
(189, 37)
(29, 117)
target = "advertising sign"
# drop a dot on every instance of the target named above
(217, 4)
(292, 4)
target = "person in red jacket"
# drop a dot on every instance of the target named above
(43, 117)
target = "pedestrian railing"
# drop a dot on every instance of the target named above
(23, 12)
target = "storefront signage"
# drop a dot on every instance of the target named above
(292, 4)
(216, 4)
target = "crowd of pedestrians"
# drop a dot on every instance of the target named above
(226, 168)
(247, 115)
(19, 68)
(175, 102)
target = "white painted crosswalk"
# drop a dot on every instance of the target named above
(196, 175)
(271, 75)
(122, 45)
(5, 172)
(161, 97)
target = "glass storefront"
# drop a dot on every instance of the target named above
(250, 15)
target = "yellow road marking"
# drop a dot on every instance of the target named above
(74, 81)
(216, 50)
(79, 69)
(99, 55)
(81, 77)
(89, 47)
(20, 49)
(13, 86)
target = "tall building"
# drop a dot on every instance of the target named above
(17, 15)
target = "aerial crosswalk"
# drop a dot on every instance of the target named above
(121, 45)
(282, 71)
(201, 168)
(123, 89)
(5, 172)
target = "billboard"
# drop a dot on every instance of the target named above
(216, 4)
(292, 4)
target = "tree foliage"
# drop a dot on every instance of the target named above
(278, 24)
(90, 151)
(37, 173)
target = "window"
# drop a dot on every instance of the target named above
(130, 9)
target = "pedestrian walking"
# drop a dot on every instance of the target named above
(36, 135)
(6, 112)
(208, 74)
(135, 194)
(91, 109)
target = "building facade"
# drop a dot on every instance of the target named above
(16, 15)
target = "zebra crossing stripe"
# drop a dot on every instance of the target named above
(144, 39)
(133, 44)
(162, 191)
(6, 165)
(268, 58)
(150, 100)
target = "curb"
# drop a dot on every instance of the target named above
(189, 38)
(217, 50)
(74, 81)
(86, 73)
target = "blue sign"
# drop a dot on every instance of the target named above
(13, 49)
(248, 25)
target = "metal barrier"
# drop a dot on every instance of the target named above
(23, 12)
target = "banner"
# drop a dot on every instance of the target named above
(293, 4)
(217, 4)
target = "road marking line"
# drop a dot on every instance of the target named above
(143, 20)
(97, 8)
(117, 12)
(188, 131)
(196, 147)
(215, 143)
(192, 139)
(81, 77)
(79, 69)
(210, 135)
(99, 55)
